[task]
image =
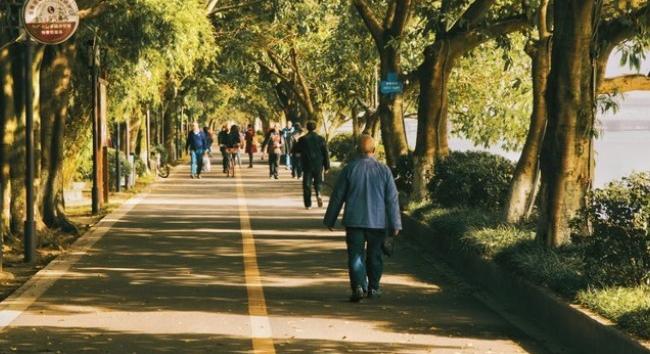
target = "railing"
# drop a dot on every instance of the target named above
(10, 21)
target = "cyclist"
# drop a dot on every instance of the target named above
(234, 143)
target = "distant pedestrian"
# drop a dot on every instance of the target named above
(222, 140)
(251, 144)
(315, 161)
(287, 132)
(234, 143)
(209, 137)
(196, 144)
(242, 138)
(368, 190)
(296, 163)
(273, 146)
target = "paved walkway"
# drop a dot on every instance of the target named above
(238, 266)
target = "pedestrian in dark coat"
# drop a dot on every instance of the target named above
(315, 161)
(251, 144)
(222, 140)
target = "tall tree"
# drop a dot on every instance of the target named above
(457, 29)
(387, 35)
(524, 185)
(585, 33)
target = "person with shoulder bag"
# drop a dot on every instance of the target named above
(273, 146)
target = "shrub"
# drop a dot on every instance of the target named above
(620, 247)
(164, 155)
(343, 148)
(140, 167)
(405, 174)
(472, 179)
(125, 165)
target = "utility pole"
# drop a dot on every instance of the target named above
(30, 237)
(51, 33)
(148, 137)
(94, 65)
(118, 178)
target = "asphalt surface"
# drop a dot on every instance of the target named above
(222, 265)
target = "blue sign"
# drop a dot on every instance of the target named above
(391, 85)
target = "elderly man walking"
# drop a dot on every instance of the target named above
(197, 144)
(368, 190)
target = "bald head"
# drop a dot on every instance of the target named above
(367, 145)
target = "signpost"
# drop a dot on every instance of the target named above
(47, 22)
(50, 21)
(391, 85)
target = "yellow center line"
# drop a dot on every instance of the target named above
(261, 333)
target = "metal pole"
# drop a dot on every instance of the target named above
(148, 137)
(96, 138)
(30, 241)
(117, 158)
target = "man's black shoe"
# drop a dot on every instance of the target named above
(374, 294)
(320, 201)
(357, 294)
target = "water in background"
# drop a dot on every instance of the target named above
(618, 153)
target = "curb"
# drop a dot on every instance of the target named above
(570, 325)
(28, 293)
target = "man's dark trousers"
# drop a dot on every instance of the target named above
(365, 265)
(312, 178)
(224, 161)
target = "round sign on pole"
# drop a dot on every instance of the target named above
(51, 21)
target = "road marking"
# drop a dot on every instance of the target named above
(16, 304)
(261, 333)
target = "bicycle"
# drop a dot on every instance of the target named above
(231, 154)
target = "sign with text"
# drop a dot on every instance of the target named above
(51, 21)
(391, 85)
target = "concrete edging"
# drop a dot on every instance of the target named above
(570, 325)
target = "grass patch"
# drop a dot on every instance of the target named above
(629, 307)
(561, 270)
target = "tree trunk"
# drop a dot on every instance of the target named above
(169, 132)
(7, 128)
(391, 116)
(524, 185)
(566, 158)
(432, 142)
(55, 100)
(356, 128)
(17, 143)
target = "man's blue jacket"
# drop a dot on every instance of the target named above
(368, 190)
(197, 141)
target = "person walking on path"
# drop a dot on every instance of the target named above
(315, 160)
(273, 146)
(234, 143)
(296, 163)
(197, 143)
(251, 144)
(368, 190)
(287, 132)
(222, 140)
(209, 138)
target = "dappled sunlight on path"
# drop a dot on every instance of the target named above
(169, 276)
